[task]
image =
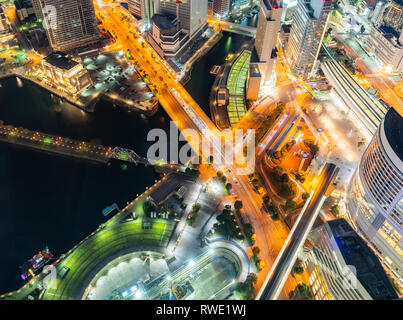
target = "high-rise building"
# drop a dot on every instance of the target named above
(143, 9)
(221, 7)
(342, 267)
(192, 14)
(393, 16)
(75, 27)
(377, 15)
(268, 28)
(4, 26)
(383, 43)
(375, 194)
(24, 9)
(307, 31)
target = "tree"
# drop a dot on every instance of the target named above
(290, 205)
(284, 178)
(228, 186)
(256, 251)
(335, 210)
(300, 176)
(238, 205)
(266, 199)
(298, 267)
(251, 278)
(305, 196)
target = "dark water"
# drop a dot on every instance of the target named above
(56, 201)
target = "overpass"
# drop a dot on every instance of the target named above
(285, 260)
(368, 111)
(233, 27)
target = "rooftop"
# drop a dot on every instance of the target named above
(163, 22)
(61, 60)
(355, 252)
(393, 124)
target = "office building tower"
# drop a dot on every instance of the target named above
(384, 45)
(4, 26)
(191, 14)
(377, 15)
(75, 26)
(393, 16)
(24, 9)
(375, 194)
(254, 80)
(307, 31)
(143, 9)
(221, 8)
(266, 36)
(342, 267)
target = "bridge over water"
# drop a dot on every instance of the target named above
(74, 148)
(233, 27)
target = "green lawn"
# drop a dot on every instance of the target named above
(96, 249)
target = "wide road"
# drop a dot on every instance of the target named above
(288, 254)
(270, 235)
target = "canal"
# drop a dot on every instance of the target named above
(48, 200)
(201, 80)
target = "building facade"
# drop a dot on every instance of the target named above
(166, 38)
(342, 267)
(76, 24)
(65, 73)
(143, 9)
(377, 15)
(267, 31)
(386, 48)
(24, 9)
(393, 16)
(221, 8)
(191, 14)
(4, 26)
(310, 23)
(375, 194)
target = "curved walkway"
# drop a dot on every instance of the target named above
(236, 249)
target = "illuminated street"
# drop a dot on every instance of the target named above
(283, 180)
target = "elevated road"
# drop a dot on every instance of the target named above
(232, 27)
(281, 268)
(367, 110)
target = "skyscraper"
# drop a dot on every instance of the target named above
(221, 7)
(192, 14)
(377, 15)
(307, 31)
(143, 9)
(75, 23)
(342, 267)
(4, 26)
(375, 194)
(266, 35)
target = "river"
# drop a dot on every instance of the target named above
(49, 200)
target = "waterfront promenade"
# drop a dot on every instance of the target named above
(85, 103)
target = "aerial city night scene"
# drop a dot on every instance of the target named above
(201, 150)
